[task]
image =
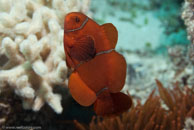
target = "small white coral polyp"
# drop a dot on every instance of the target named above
(31, 41)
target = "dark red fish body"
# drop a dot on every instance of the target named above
(99, 71)
(79, 28)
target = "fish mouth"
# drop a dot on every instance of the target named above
(79, 28)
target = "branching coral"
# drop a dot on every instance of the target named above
(152, 115)
(182, 65)
(178, 55)
(188, 17)
(189, 124)
(31, 48)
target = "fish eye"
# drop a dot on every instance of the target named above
(77, 20)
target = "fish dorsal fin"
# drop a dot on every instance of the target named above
(83, 49)
(80, 91)
(111, 33)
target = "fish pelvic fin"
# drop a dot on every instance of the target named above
(80, 91)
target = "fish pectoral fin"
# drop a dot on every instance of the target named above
(83, 49)
(69, 61)
(80, 91)
(111, 33)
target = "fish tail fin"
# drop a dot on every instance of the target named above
(112, 104)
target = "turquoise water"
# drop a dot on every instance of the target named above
(151, 23)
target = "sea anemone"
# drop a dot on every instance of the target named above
(172, 109)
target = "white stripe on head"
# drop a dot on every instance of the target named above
(83, 24)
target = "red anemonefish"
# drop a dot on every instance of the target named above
(98, 70)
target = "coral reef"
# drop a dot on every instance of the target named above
(173, 109)
(188, 17)
(178, 56)
(143, 68)
(189, 124)
(182, 65)
(31, 49)
(12, 115)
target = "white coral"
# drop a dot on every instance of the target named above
(187, 16)
(31, 48)
(189, 124)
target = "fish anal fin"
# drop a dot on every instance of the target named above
(83, 49)
(113, 105)
(80, 91)
(122, 102)
(111, 32)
